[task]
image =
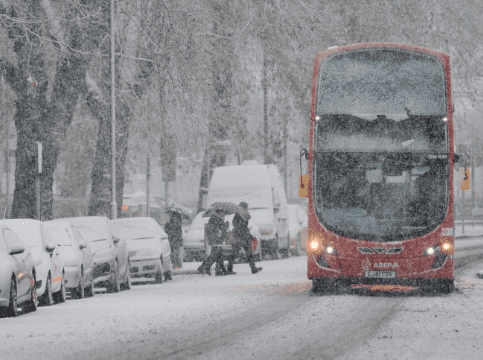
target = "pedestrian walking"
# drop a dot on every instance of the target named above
(216, 233)
(243, 239)
(175, 238)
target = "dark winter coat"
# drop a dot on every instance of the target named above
(241, 233)
(174, 231)
(216, 230)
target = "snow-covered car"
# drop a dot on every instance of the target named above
(77, 255)
(109, 252)
(17, 275)
(148, 246)
(194, 239)
(48, 263)
(297, 229)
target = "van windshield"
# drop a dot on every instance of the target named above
(255, 197)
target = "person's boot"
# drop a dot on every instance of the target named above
(203, 270)
(229, 270)
(256, 270)
(220, 271)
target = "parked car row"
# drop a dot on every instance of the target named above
(41, 261)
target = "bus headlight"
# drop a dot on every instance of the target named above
(314, 245)
(330, 250)
(431, 251)
(446, 248)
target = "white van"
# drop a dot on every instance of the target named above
(261, 187)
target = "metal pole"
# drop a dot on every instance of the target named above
(113, 121)
(148, 175)
(39, 173)
(166, 195)
(7, 169)
(472, 181)
(285, 153)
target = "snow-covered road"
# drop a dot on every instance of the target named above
(269, 315)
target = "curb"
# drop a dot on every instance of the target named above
(184, 272)
(467, 237)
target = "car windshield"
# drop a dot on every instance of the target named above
(30, 233)
(91, 234)
(57, 234)
(257, 198)
(135, 230)
(91, 228)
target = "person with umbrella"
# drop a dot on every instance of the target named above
(243, 239)
(216, 233)
(175, 237)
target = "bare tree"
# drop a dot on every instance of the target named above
(47, 75)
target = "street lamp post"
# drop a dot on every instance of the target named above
(113, 121)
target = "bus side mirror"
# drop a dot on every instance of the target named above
(304, 186)
(458, 158)
(304, 179)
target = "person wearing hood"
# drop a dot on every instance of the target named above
(243, 239)
(216, 233)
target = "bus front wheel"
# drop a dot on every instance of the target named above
(321, 285)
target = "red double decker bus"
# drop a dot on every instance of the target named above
(381, 158)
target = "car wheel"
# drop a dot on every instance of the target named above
(285, 253)
(127, 284)
(274, 249)
(114, 286)
(13, 304)
(60, 295)
(90, 288)
(32, 304)
(167, 276)
(47, 298)
(158, 277)
(79, 292)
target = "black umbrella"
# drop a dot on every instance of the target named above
(173, 209)
(228, 208)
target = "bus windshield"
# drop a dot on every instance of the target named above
(381, 169)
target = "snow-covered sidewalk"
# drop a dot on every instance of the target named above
(470, 231)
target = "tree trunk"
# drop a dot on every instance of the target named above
(100, 198)
(44, 110)
(222, 77)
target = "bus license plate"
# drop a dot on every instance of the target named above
(379, 274)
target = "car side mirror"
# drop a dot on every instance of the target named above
(82, 245)
(16, 249)
(116, 239)
(276, 209)
(50, 247)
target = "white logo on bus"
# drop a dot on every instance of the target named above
(386, 265)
